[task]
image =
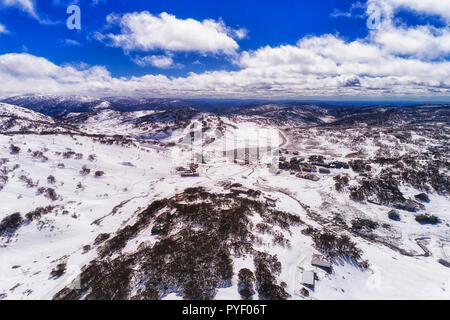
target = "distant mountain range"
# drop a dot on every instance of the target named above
(60, 106)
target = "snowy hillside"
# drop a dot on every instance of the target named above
(17, 119)
(54, 105)
(240, 204)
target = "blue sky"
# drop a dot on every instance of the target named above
(269, 22)
(270, 47)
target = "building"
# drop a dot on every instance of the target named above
(308, 176)
(306, 168)
(284, 165)
(338, 165)
(189, 173)
(193, 166)
(271, 202)
(180, 197)
(294, 164)
(320, 262)
(239, 190)
(308, 279)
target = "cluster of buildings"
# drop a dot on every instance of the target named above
(305, 170)
(188, 172)
(309, 277)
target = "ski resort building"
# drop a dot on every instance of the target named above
(320, 262)
(308, 176)
(308, 279)
(189, 173)
(239, 190)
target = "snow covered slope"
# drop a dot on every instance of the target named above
(54, 105)
(18, 119)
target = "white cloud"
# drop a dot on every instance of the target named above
(356, 11)
(146, 32)
(240, 33)
(26, 72)
(338, 13)
(163, 62)
(421, 41)
(24, 5)
(69, 2)
(3, 29)
(322, 64)
(70, 43)
(96, 2)
(29, 7)
(433, 7)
